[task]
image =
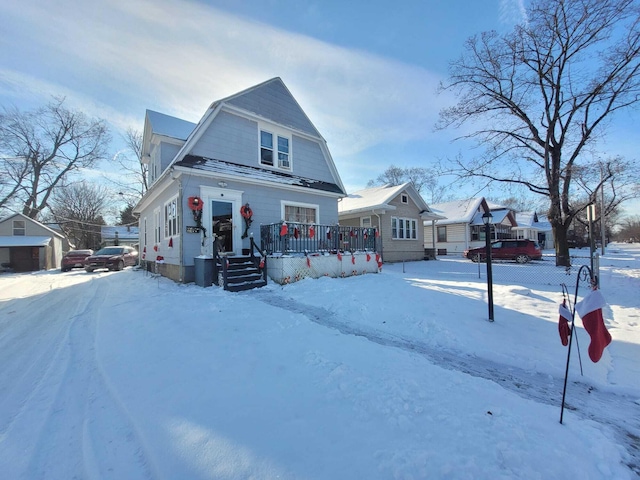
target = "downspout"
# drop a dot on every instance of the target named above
(182, 230)
(433, 238)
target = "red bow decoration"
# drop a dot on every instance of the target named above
(284, 229)
(296, 234)
(195, 203)
(339, 256)
(312, 231)
(353, 259)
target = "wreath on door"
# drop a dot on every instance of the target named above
(246, 213)
(196, 204)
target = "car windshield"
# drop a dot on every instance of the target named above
(110, 251)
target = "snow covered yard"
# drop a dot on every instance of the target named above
(399, 375)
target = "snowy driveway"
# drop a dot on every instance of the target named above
(122, 375)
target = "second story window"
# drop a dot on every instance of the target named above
(274, 148)
(19, 228)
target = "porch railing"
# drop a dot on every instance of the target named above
(310, 238)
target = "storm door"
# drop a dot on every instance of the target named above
(222, 224)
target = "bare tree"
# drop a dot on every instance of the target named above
(41, 148)
(542, 95)
(629, 230)
(79, 209)
(421, 178)
(131, 180)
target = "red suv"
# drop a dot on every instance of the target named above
(522, 251)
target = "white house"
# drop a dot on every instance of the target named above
(463, 227)
(536, 227)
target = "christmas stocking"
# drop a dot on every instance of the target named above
(590, 310)
(563, 324)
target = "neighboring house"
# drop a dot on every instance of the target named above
(536, 227)
(463, 227)
(398, 212)
(27, 245)
(255, 149)
(120, 235)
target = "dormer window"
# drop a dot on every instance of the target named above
(274, 147)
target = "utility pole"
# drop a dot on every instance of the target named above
(602, 211)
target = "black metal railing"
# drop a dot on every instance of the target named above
(259, 261)
(221, 265)
(308, 238)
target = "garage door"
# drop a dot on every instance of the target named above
(25, 259)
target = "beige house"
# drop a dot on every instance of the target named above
(26, 245)
(463, 227)
(397, 211)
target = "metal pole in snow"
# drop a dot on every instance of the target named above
(572, 334)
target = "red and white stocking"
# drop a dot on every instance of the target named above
(563, 324)
(590, 311)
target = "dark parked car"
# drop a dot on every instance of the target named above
(113, 258)
(522, 251)
(74, 259)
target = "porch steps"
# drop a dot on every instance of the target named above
(242, 274)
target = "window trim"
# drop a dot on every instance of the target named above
(144, 223)
(157, 228)
(404, 198)
(404, 228)
(172, 224)
(438, 240)
(275, 133)
(287, 203)
(16, 228)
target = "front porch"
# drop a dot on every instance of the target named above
(298, 250)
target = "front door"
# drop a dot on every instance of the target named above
(222, 223)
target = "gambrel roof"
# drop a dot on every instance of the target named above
(270, 101)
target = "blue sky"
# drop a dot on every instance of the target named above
(365, 73)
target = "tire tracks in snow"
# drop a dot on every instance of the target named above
(619, 412)
(66, 422)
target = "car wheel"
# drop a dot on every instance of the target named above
(120, 265)
(88, 270)
(474, 258)
(522, 258)
(64, 270)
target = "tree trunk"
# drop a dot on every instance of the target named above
(562, 247)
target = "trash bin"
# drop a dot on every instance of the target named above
(203, 271)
